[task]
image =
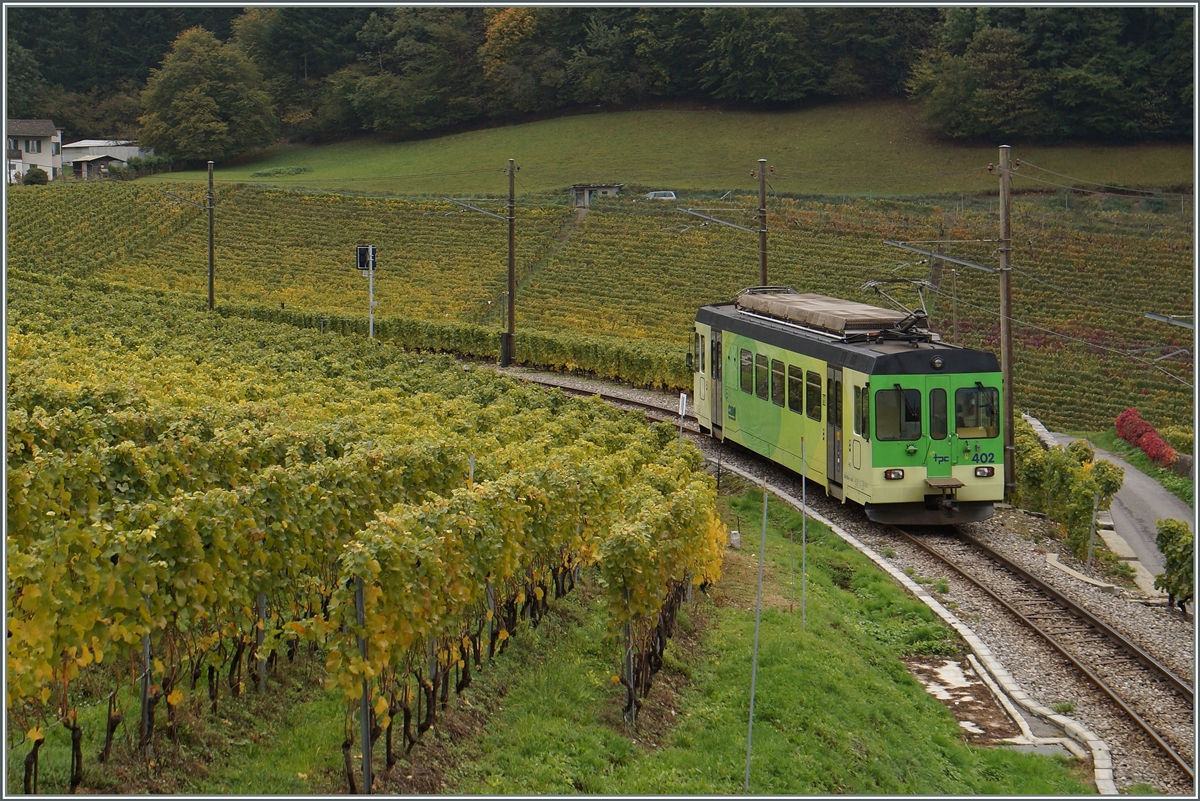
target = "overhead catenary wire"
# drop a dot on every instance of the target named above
(1088, 191)
(894, 177)
(1026, 163)
(1073, 296)
(1070, 338)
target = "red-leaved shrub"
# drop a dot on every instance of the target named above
(1136, 431)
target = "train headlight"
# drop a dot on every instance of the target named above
(985, 472)
(893, 475)
(938, 363)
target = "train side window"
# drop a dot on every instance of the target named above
(833, 401)
(977, 412)
(812, 395)
(795, 389)
(747, 371)
(938, 420)
(861, 415)
(761, 368)
(716, 360)
(897, 414)
(777, 385)
(866, 412)
(700, 352)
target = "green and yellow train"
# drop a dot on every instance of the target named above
(883, 412)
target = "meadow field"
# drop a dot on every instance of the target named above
(877, 147)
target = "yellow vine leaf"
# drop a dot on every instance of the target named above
(34, 734)
(174, 697)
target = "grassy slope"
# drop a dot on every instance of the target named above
(836, 712)
(1179, 486)
(848, 148)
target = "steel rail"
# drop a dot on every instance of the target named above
(668, 415)
(1085, 617)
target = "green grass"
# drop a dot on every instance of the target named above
(286, 742)
(835, 711)
(863, 148)
(1179, 486)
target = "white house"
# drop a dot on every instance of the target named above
(33, 143)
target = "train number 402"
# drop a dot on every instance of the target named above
(984, 458)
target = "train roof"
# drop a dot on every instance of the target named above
(821, 312)
(843, 333)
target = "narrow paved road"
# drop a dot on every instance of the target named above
(1138, 506)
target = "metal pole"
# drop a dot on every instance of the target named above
(262, 629)
(762, 222)
(507, 356)
(365, 708)
(146, 678)
(803, 538)
(1092, 536)
(211, 202)
(762, 552)
(1006, 355)
(954, 300)
(371, 293)
(682, 412)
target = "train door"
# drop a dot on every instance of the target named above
(833, 442)
(941, 435)
(716, 362)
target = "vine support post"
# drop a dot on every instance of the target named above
(259, 637)
(360, 610)
(146, 677)
(631, 715)
(491, 618)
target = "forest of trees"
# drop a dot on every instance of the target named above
(321, 74)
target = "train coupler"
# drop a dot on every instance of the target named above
(948, 501)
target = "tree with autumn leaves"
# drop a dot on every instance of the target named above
(206, 101)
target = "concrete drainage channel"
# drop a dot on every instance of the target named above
(1077, 740)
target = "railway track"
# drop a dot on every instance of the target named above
(1159, 702)
(656, 411)
(1140, 707)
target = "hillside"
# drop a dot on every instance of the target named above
(879, 148)
(614, 292)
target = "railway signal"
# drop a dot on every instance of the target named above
(366, 266)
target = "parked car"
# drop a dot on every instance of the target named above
(661, 195)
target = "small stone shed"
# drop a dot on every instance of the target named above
(582, 194)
